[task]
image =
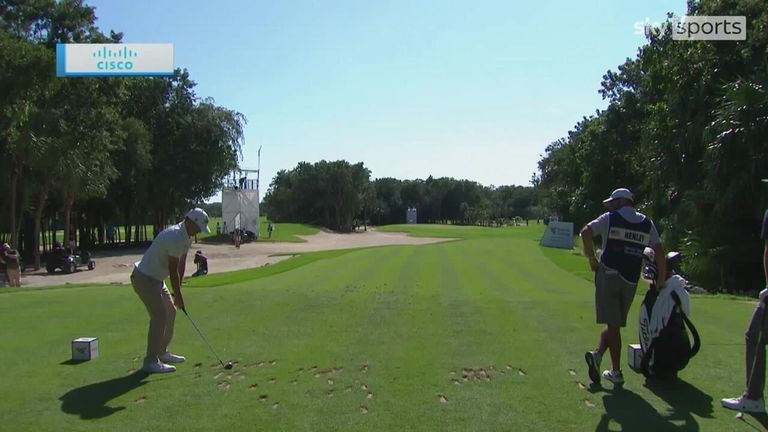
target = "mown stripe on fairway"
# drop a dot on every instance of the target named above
(320, 326)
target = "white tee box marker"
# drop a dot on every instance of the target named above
(634, 356)
(85, 348)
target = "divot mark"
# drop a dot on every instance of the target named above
(253, 386)
(218, 375)
(363, 410)
(329, 393)
(276, 405)
(197, 365)
(329, 381)
(224, 385)
(273, 362)
(509, 367)
(140, 400)
(572, 372)
(263, 398)
(582, 386)
(589, 403)
(294, 382)
(369, 396)
(521, 372)
(442, 398)
(364, 387)
(455, 381)
(348, 389)
(364, 368)
(272, 380)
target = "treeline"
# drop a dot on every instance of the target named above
(339, 195)
(82, 153)
(687, 130)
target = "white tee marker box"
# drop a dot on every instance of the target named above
(85, 348)
(634, 356)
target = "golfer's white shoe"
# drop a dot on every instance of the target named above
(171, 358)
(614, 376)
(743, 403)
(158, 368)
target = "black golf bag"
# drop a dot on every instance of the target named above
(666, 349)
(664, 325)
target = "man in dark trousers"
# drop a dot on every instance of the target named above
(625, 233)
(757, 333)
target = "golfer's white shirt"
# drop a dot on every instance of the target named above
(171, 242)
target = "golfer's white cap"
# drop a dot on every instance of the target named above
(620, 193)
(200, 218)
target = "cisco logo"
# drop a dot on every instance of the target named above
(111, 60)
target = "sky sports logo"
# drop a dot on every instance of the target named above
(80, 60)
(691, 28)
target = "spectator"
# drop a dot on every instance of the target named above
(202, 264)
(12, 268)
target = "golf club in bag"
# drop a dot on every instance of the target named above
(225, 366)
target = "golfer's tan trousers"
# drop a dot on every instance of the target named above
(162, 313)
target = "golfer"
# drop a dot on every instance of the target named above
(165, 257)
(751, 400)
(625, 233)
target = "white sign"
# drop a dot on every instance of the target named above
(73, 60)
(558, 235)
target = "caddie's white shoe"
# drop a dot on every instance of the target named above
(158, 368)
(743, 403)
(171, 358)
(616, 377)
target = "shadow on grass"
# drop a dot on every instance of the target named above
(72, 362)
(90, 402)
(762, 420)
(633, 413)
(683, 397)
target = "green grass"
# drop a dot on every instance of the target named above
(402, 321)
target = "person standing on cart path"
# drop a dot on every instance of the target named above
(625, 233)
(166, 257)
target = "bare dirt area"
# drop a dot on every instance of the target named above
(116, 266)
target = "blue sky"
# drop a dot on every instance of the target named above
(467, 89)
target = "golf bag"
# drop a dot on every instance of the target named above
(664, 327)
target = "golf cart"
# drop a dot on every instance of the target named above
(60, 258)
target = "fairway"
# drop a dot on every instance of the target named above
(485, 333)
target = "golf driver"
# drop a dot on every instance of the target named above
(225, 366)
(740, 414)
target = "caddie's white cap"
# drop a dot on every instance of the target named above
(620, 193)
(200, 218)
